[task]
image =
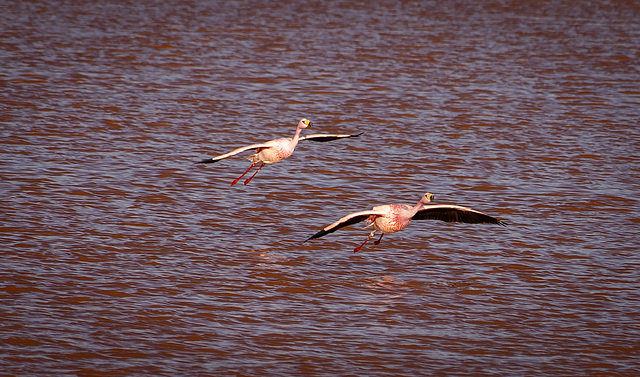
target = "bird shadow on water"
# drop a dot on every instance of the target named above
(272, 255)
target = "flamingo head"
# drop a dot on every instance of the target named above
(304, 123)
(427, 198)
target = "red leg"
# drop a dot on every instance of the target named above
(254, 174)
(243, 174)
(379, 239)
(365, 241)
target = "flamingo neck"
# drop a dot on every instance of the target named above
(416, 208)
(296, 138)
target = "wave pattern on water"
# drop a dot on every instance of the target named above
(122, 256)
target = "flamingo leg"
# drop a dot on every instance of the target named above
(379, 239)
(254, 174)
(243, 174)
(365, 241)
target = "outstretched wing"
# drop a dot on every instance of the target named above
(350, 219)
(453, 213)
(234, 152)
(327, 137)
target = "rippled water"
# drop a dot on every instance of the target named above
(123, 257)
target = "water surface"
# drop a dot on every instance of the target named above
(123, 257)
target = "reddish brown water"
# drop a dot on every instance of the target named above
(120, 256)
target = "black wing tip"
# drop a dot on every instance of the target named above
(207, 161)
(323, 139)
(317, 235)
(492, 220)
(468, 217)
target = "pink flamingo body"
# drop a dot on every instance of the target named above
(275, 150)
(391, 218)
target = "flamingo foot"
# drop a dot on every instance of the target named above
(379, 239)
(243, 174)
(254, 174)
(365, 241)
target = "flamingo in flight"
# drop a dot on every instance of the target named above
(391, 218)
(275, 150)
